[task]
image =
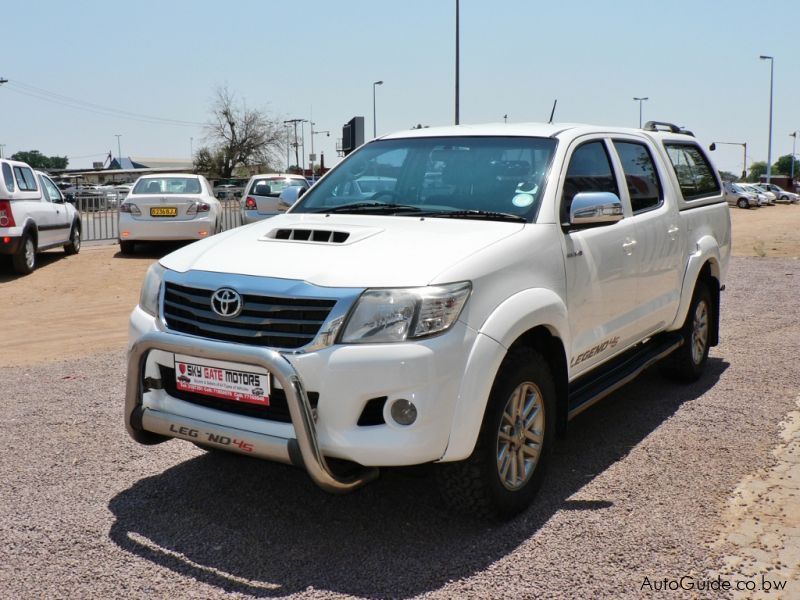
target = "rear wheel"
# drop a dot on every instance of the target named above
(688, 362)
(74, 244)
(127, 247)
(24, 260)
(506, 469)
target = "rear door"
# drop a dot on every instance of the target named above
(657, 227)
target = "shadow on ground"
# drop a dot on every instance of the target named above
(44, 260)
(153, 249)
(265, 530)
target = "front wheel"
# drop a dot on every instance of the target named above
(743, 203)
(74, 244)
(688, 362)
(506, 469)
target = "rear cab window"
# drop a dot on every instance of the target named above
(8, 178)
(695, 174)
(26, 181)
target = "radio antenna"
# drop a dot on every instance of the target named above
(553, 112)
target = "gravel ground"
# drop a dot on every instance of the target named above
(637, 490)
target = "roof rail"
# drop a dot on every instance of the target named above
(672, 128)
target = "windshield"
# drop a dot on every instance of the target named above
(273, 186)
(167, 185)
(464, 176)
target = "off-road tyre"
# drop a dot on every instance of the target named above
(688, 362)
(475, 485)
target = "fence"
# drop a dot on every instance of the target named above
(100, 215)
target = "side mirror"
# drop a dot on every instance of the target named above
(291, 194)
(594, 208)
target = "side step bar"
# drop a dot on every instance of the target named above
(589, 389)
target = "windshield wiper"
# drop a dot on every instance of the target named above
(369, 207)
(488, 215)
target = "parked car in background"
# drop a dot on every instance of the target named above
(736, 195)
(763, 198)
(781, 194)
(168, 207)
(261, 195)
(770, 197)
(34, 216)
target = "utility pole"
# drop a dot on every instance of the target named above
(119, 152)
(294, 123)
(1, 150)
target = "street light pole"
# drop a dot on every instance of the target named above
(794, 142)
(457, 61)
(771, 80)
(374, 117)
(744, 154)
(640, 109)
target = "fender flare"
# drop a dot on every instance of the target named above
(514, 317)
(706, 251)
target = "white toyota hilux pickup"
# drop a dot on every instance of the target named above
(501, 280)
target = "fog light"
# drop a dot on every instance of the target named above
(404, 412)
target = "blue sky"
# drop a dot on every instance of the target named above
(696, 61)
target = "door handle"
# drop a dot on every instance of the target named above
(628, 246)
(673, 232)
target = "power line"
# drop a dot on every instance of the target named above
(70, 102)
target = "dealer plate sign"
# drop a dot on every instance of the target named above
(221, 379)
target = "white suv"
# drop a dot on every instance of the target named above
(34, 216)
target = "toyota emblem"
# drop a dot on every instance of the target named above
(226, 302)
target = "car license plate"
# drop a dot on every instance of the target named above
(221, 379)
(164, 211)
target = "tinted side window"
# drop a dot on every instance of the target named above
(26, 182)
(644, 186)
(589, 171)
(8, 177)
(50, 190)
(695, 175)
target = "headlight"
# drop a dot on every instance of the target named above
(394, 315)
(148, 299)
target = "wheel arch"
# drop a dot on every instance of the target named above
(535, 319)
(704, 265)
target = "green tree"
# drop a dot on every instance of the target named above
(728, 176)
(39, 161)
(784, 165)
(757, 169)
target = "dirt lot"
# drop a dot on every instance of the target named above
(79, 305)
(658, 482)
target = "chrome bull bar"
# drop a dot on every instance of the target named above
(149, 426)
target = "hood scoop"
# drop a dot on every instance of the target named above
(347, 234)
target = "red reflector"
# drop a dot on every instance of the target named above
(250, 203)
(6, 216)
(6, 240)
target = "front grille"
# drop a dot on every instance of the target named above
(278, 409)
(264, 321)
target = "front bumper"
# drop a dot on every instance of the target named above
(148, 425)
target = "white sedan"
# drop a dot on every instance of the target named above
(168, 207)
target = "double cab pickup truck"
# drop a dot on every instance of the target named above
(497, 282)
